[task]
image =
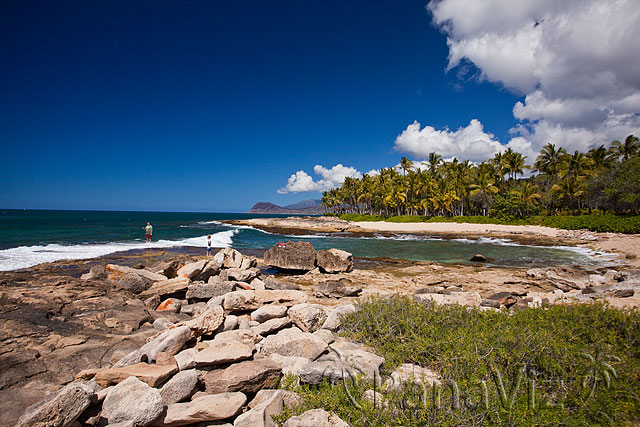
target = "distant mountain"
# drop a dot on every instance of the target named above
(309, 207)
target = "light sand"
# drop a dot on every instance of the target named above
(457, 228)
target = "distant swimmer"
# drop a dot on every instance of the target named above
(208, 245)
(148, 231)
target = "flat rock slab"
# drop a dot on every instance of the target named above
(227, 352)
(272, 325)
(165, 287)
(192, 269)
(269, 312)
(212, 407)
(152, 375)
(169, 341)
(336, 289)
(252, 300)
(248, 376)
(209, 290)
(118, 271)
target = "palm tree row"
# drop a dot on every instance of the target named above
(445, 188)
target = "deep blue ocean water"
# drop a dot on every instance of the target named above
(31, 237)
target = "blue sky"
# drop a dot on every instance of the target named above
(212, 106)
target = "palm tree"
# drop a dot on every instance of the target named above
(434, 161)
(630, 147)
(514, 163)
(570, 188)
(576, 164)
(484, 185)
(527, 192)
(549, 159)
(600, 157)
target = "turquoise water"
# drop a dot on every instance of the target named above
(32, 237)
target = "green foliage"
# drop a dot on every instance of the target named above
(584, 359)
(361, 217)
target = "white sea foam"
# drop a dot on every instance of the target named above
(28, 256)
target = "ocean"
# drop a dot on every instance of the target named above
(31, 237)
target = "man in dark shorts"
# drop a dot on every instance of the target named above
(148, 231)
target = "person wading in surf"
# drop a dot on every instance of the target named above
(148, 231)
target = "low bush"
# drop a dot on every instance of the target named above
(564, 365)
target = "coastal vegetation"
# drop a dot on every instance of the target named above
(563, 365)
(598, 190)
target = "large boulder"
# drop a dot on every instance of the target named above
(225, 352)
(334, 261)
(260, 414)
(229, 258)
(205, 408)
(240, 275)
(210, 269)
(134, 283)
(294, 342)
(248, 376)
(252, 300)
(62, 409)
(132, 400)
(166, 287)
(300, 256)
(116, 272)
(308, 317)
(316, 418)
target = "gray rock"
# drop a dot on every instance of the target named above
(333, 319)
(294, 342)
(161, 323)
(209, 290)
(344, 360)
(221, 353)
(243, 323)
(248, 262)
(132, 400)
(210, 269)
(252, 300)
(258, 285)
(623, 293)
(299, 256)
(315, 418)
(167, 268)
(134, 283)
(169, 341)
(246, 336)
(271, 325)
(191, 309)
(268, 312)
(208, 322)
(230, 323)
(192, 269)
(336, 289)
(334, 261)
(248, 376)
(180, 387)
(229, 258)
(152, 302)
(325, 335)
(472, 299)
(153, 375)
(272, 283)
(260, 415)
(96, 272)
(186, 359)
(308, 317)
(479, 258)
(61, 409)
(291, 365)
(115, 272)
(203, 409)
(242, 275)
(290, 399)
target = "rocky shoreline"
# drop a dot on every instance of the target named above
(178, 321)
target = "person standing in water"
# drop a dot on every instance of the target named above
(148, 231)
(208, 245)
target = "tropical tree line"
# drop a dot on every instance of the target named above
(606, 179)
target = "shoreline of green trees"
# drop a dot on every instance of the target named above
(599, 189)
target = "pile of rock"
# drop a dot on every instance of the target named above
(237, 341)
(301, 256)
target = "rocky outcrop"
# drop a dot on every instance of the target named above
(297, 256)
(336, 289)
(334, 261)
(252, 300)
(248, 377)
(208, 408)
(472, 299)
(132, 400)
(60, 410)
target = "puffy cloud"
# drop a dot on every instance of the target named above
(302, 181)
(466, 143)
(575, 60)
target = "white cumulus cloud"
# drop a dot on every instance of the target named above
(331, 178)
(576, 62)
(466, 143)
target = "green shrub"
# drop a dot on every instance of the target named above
(361, 217)
(570, 351)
